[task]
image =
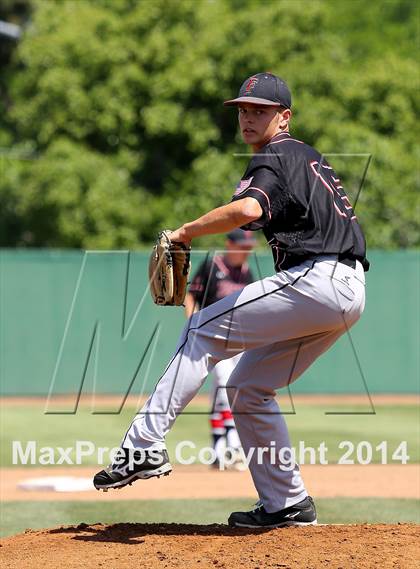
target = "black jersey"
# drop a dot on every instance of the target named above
(305, 209)
(215, 279)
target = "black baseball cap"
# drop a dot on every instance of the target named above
(241, 237)
(263, 89)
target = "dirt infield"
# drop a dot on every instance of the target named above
(373, 480)
(214, 546)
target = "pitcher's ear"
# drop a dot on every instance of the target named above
(285, 116)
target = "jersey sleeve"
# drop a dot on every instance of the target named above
(263, 181)
(199, 283)
(249, 277)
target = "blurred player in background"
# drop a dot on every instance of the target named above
(216, 278)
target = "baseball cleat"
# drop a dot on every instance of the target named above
(132, 466)
(301, 514)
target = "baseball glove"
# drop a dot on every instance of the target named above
(169, 267)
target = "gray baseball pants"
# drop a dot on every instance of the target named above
(281, 324)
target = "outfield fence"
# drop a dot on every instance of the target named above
(74, 321)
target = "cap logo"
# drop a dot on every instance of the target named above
(251, 84)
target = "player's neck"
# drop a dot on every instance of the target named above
(227, 258)
(257, 147)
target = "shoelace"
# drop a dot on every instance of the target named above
(258, 506)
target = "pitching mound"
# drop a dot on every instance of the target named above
(215, 546)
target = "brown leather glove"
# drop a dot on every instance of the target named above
(169, 268)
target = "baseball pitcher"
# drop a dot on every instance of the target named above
(281, 323)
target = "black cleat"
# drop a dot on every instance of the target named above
(135, 465)
(301, 514)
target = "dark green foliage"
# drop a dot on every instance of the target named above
(120, 103)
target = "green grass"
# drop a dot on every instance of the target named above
(17, 516)
(391, 423)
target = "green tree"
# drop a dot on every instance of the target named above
(129, 94)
